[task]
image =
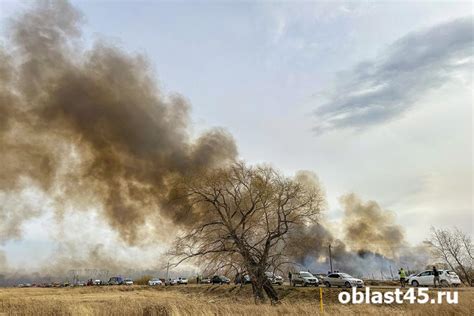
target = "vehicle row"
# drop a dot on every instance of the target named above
(272, 277)
(177, 281)
(302, 278)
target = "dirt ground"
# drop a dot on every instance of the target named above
(204, 300)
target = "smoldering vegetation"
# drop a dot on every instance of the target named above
(89, 127)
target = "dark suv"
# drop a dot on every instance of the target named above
(220, 279)
(115, 281)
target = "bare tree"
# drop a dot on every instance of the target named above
(455, 248)
(245, 213)
(218, 264)
(467, 244)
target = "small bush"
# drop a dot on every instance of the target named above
(143, 280)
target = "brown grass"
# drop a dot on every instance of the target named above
(199, 300)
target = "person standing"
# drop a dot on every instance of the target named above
(435, 277)
(290, 276)
(403, 277)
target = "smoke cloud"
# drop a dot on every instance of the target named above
(90, 129)
(371, 244)
(369, 227)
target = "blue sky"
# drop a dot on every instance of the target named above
(277, 74)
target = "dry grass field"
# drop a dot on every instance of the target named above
(200, 300)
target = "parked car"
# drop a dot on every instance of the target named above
(117, 280)
(407, 278)
(205, 281)
(181, 280)
(128, 282)
(154, 282)
(304, 278)
(98, 282)
(425, 278)
(342, 279)
(242, 279)
(274, 278)
(320, 276)
(220, 279)
(170, 282)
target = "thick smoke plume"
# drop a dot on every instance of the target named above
(371, 244)
(90, 129)
(369, 227)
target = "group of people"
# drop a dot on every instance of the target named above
(403, 277)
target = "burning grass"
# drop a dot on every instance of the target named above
(198, 300)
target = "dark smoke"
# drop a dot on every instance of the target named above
(90, 127)
(369, 227)
(372, 245)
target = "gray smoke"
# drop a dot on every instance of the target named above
(372, 245)
(369, 227)
(90, 129)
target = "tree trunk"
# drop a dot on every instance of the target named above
(258, 292)
(271, 293)
(467, 277)
(261, 285)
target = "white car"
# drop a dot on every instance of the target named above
(154, 282)
(128, 282)
(182, 281)
(274, 278)
(425, 278)
(170, 282)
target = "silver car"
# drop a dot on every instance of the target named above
(205, 281)
(342, 279)
(304, 278)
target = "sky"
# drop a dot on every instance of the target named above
(375, 97)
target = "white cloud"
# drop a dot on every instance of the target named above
(379, 90)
